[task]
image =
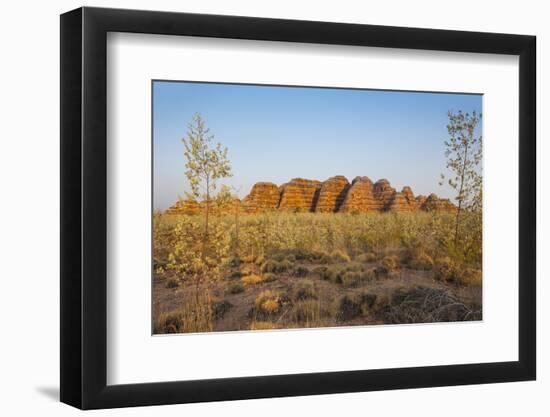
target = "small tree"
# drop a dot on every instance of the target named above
(464, 156)
(205, 164)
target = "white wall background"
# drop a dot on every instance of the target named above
(29, 225)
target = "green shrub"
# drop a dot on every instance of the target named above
(354, 267)
(283, 266)
(351, 279)
(319, 270)
(234, 262)
(303, 290)
(301, 271)
(269, 277)
(236, 288)
(352, 305)
(220, 308)
(334, 274)
(236, 275)
(291, 258)
(269, 266)
(369, 275)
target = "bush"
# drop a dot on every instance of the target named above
(319, 270)
(351, 279)
(172, 283)
(291, 258)
(427, 305)
(369, 275)
(389, 264)
(262, 325)
(366, 257)
(236, 288)
(347, 307)
(301, 271)
(269, 266)
(307, 311)
(283, 266)
(269, 277)
(220, 308)
(168, 323)
(236, 275)
(234, 262)
(352, 305)
(323, 258)
(421, 261)
(278, 257)
(445, 270)
(354, 267)
(339, 256)
(381, 303)
(303, 290)
(267, 302)
(334, 274)
(252, 279)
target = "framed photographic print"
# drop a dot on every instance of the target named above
(257, 207)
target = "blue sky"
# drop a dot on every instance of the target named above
(278, 133)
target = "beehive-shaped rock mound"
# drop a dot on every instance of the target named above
(359, 198)
(263, 196)
(434, 203)
(182, 206)
(383, 194)
(299, 195)
(332, 195)
(403, 201)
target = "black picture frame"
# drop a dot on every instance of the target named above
(84, 207)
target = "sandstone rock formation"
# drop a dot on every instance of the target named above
(332, 194)
(359, 198)
(184, 207)
(383, 194)
(403, 201)
(263, 196)
(434, 203)
(299, 195)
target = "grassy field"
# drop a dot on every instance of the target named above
(293, 270)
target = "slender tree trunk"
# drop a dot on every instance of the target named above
(460, 195)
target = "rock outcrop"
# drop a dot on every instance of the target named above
(335, 195)
(403, 201)
(184, 207)
(332, 195)
(359, 198)
(383, 194)
(434, 203)
(263, 196)
(299, 195)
